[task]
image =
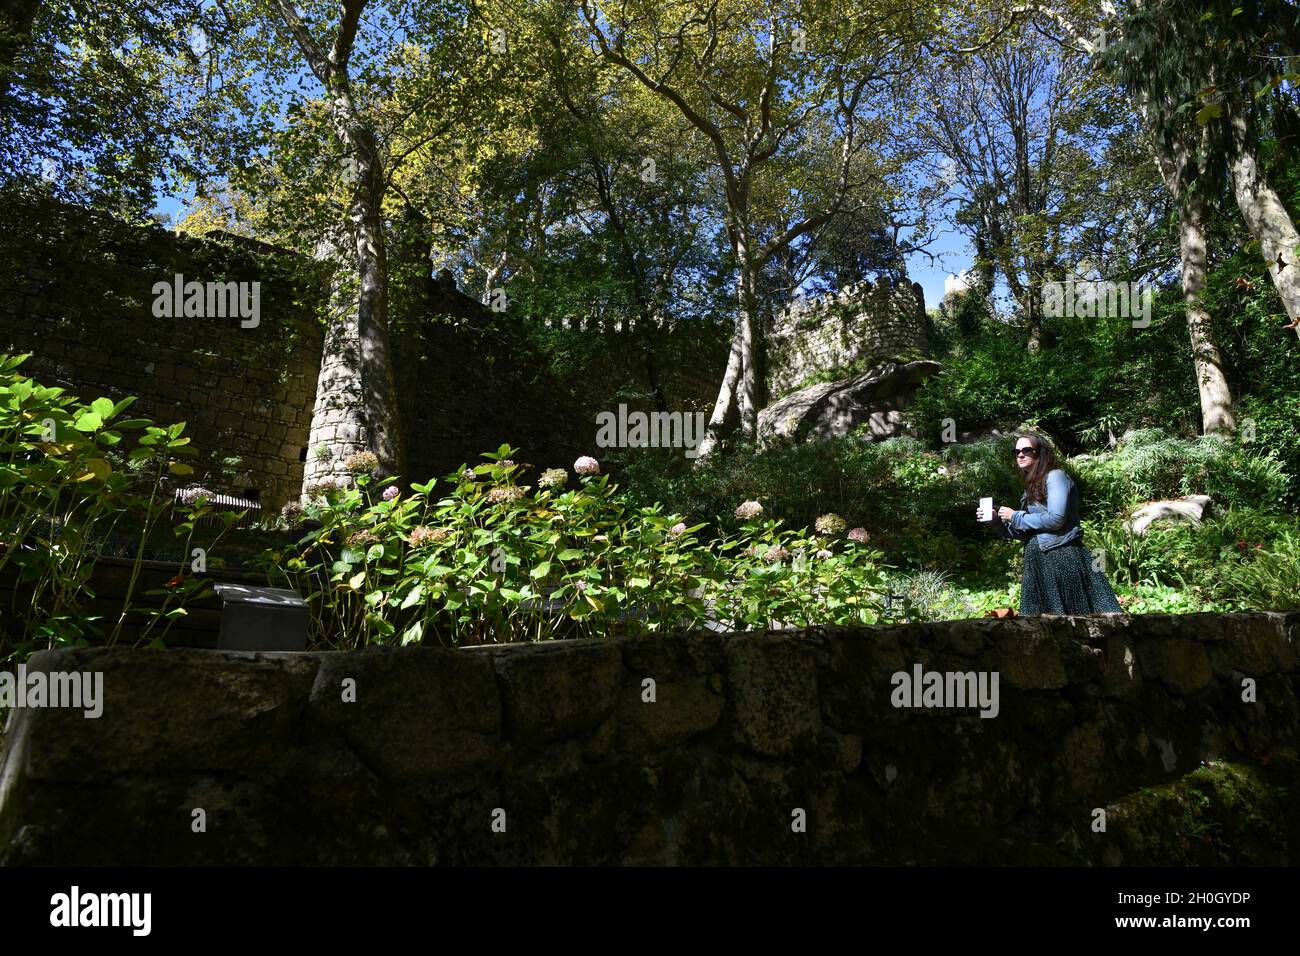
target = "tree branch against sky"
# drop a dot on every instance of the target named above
(754, 78)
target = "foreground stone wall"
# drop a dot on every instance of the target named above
(837, 335)
(747, 734)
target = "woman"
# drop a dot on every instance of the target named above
(1059, 576)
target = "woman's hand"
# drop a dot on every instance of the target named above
(1005, 513)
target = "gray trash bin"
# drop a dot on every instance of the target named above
(261, 619)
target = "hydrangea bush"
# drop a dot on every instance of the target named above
(481, 557)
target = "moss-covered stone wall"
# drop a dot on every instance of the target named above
(1176, 734)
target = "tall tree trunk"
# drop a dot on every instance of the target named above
(1034, 314)
(337, 420)
(1216, 399)
(740, 384)
(726, 399)
(494, 273)
(356, 408)
(383, 420)
(1267, 219)
(1217, 414)
(747, 334)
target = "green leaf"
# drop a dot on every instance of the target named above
(569, 554)
(541, 571)
(1210, 111)
(414, 597)
(88, 422)
(375, 552)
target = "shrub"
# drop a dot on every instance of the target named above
(1237, 560)
(931, 596)
(1149, 464)
(921, 500)
(66, 482)
(1263, 579)
(490, 559)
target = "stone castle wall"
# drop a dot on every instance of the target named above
(561, 744)
(76, 293)
(838, 334)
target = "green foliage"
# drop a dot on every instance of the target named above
(1239, 560)
(493, 560)
(895, 486)
(1265, 578)
(1149, 464)
(931, 596)
(1259, 357)
(68, 476)
(1091, 369)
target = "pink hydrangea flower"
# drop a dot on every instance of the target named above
(748, 509)
(423, 535)
(503, 493)
(391, 492)
(586, 465)
(859, 535)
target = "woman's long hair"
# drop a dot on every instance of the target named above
(1035, 479)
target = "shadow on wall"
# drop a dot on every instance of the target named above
(77, 291)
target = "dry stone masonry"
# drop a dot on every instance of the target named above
(688, 748)
(846, 332)
(76, 292)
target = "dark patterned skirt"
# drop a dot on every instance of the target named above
(1063, 581)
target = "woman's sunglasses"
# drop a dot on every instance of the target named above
(1026, 453)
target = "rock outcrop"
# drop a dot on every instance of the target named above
(1187, 509)
(875, 398)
